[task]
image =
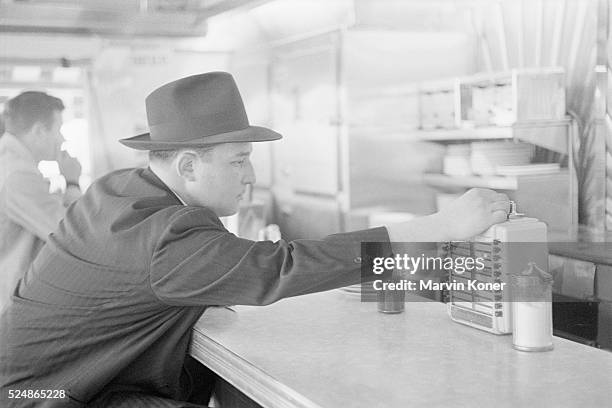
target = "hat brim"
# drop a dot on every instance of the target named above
(250, 134)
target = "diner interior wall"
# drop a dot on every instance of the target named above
(121, 77)
(250, 69)
(386, 163)
(43, 46)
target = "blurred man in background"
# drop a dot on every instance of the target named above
(28, 212)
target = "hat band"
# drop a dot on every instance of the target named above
(193, 128)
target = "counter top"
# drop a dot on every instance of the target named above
(331, 350)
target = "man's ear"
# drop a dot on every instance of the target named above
(38, 128)
(186, 165)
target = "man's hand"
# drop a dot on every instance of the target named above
(474, 212)
(69, 167)
(469, 215)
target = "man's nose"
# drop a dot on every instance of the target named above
(249, 175)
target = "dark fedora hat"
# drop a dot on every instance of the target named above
(195, 111)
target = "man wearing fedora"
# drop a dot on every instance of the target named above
(105, 312)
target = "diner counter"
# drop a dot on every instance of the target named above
(331, 350)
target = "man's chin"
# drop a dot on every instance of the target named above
(228, 212)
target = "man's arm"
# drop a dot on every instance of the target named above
(28, 203)
(71, 170)
(469, 215)
(197, 262)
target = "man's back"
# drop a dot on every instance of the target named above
(85, 313)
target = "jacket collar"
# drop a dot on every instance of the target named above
(155, 179)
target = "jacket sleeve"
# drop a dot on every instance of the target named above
(29, 204)
(198, 262)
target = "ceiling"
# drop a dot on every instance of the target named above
(147, 18)
(190, 18)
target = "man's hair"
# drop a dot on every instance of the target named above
(169, 155)
(28, 108)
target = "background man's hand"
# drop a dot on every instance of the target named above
(474, 212)
(69, 167)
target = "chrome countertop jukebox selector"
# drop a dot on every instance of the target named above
(506, 249)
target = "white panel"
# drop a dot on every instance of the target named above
(304, 110)
(374, 59)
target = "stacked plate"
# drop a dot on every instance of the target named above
(527, 169)
(487, 156)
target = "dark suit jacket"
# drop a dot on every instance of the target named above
(110, 301)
